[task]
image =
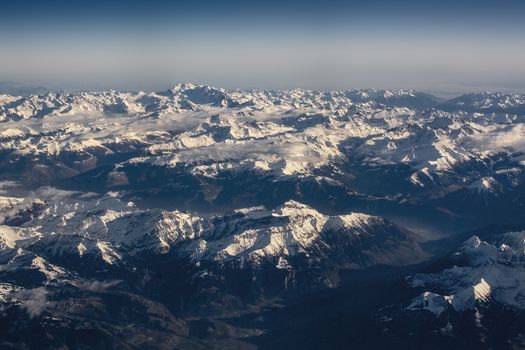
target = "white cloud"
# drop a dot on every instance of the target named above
(499, 138)
(34, 301)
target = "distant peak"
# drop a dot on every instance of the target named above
(190, 86)
(182, 87)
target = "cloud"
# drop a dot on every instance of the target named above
(500, 138)
(97, 286)
(56, 194)
(7, 187)
(34, 301)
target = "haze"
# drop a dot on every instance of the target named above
(444, 48)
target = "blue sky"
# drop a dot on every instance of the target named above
(443, 47)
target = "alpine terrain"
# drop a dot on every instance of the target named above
(204, 218)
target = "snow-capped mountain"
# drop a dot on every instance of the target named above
(487, 272)
(72, 251)
(203, 137)
(204, 205)
(474, 295)
(287, 132)
(486, 102)
(114, 231)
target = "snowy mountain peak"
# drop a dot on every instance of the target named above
(182, 87)
(488, 270)
(114, 230)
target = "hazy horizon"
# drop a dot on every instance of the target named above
(443, 48)
(14, 88)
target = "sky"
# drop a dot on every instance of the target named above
(443, 47)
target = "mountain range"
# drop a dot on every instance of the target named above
(200, 217)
